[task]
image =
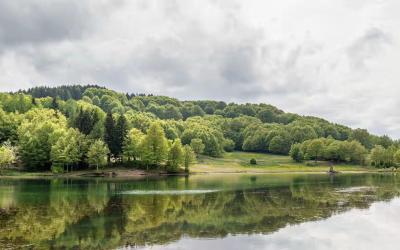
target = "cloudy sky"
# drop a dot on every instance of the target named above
(335, 59)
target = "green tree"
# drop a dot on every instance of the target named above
(315, 149)
(154, 145)
(197, 146)
(266, 115)
(121, 131)
(279, 144)
(97, 154)
(132, 143)
(296, 153)
(110, 135)
(363, 137)
(38, 132)
(188, 157)
(86, 121)
(8, 155)
(175, 155)
(69, 149)
(396, 158)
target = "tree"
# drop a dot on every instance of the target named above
(296, 153)
(69, 149)
(197, 145)
(279, 144)
(39, 131)
(121, 130)
(396, 158)
(132, 142)
(54, 103)
(86, 121)
(8, 155)
(188, 157)
(175, 155)
(315, 148)
(266, 115)
(363, 137)
(229, 145)
(154, 145)
(378, 156)
(172, 112)
(97, 154)
(110, 135)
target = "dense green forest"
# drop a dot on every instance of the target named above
(76, 127)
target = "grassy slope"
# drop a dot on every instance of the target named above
(239, 162)
(234, 162)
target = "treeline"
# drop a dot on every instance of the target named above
(353, 151)
(210, 127)
(44, 141)
(330, 150)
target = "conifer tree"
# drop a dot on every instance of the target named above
(121, 131)
(109, 135)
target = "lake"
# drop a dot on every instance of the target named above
(275, 211)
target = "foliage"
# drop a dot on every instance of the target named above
(132, 142)
(296, 153)
(38, 122)
(39, 131)
(253, 161)
(8, 155)
(175, 155)
(154, 146)
(188, 157)
(329, 149)
(197, 145)
(97, 154)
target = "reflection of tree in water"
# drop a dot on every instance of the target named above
(88, 214)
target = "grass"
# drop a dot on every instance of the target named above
(239, 162)
(232, 162)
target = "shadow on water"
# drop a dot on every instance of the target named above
(106, 214)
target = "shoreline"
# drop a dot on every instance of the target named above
(140, 174)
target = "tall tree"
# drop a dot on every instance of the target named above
(188, 157)
(131, 148)
(175, 155)
(110, 135)
(154, 145)
(121, 131)
(97, 154)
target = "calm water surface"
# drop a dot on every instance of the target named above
(202, 212)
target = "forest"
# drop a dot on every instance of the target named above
(76, 127)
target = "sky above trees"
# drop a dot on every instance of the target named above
(333, 59)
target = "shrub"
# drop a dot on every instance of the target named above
(57, 169)
(253, 161)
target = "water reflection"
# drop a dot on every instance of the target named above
(373, 228)
(235, 211)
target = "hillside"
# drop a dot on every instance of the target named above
(36, 121)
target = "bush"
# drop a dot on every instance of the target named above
(253, 161)
(57, 169)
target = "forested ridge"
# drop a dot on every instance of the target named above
(76, 127)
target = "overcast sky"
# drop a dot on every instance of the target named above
(335, 59)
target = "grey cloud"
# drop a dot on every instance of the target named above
(41, 21)
(216, 49)
(367, 46)
(238, 65)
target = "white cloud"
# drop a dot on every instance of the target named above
(335, 59)
(373, 228)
